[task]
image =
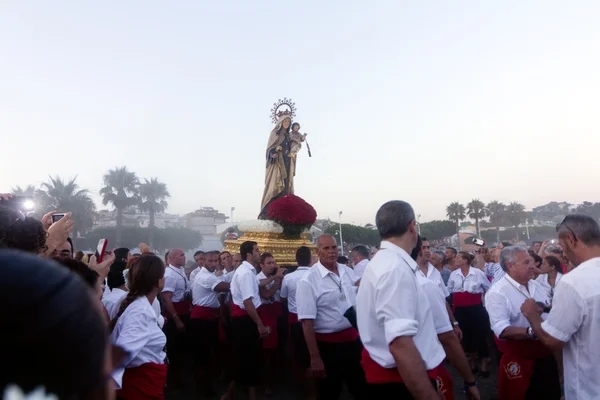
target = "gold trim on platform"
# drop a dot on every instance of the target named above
(284, 250)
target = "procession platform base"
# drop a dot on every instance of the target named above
(283, 250)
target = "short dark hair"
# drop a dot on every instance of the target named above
(198, 253)
(536, 242)
(507, 244)
(342, 260)
(393, 218)
(80, 268)
(115, 276)
(294, 124)
(537, 260)
(361, 251)
(72, 248)
(264, 256)
(247, 247)
(452, 249)
(424, 239)
(212, 252)
(121, 253)
(167, 257)
(303, 256)
(417, 250)
(582, 227)
(555, 262)
(20, 232)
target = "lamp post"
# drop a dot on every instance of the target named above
(341, 239)
(232, 210)
(418, 224)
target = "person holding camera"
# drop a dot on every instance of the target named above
(528, 369)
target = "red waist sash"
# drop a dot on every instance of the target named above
(182, 307)
(347, 335)
(292, 318)
(375, 373)
(465, 299)
(517, 365)
(237, 311)
(144, 382)
(202, 312)
(268, 314)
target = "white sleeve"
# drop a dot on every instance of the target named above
(450, 286)
(133, 335)
(395, 303)
(247, 282)
(284, 287)
(437, 303)
(306, 301)
(209, 282)
(497, 308)
(485, 282)
(170, 283)
(442, 287)
(567, 313)
(353, 277)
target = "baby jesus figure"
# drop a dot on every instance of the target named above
(296, 139)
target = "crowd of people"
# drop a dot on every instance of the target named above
(385, 323)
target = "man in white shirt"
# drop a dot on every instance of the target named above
(288, 294)
(200, 258)
(226, 262)
(323, 296)
(574, 321)
(401, 348)
(177, 307)
(246, 326)
(527, 369)
(117, 289)
(360, 258)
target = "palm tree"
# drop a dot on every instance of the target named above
(497, 213)
(153, 195)
(456, 213)
(28, 191)
(121, 189)
(66, 196)
(515, 215)
(477, 210)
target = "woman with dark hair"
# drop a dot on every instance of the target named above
(54, 335)
(550, 275)
(467, 286)
(136, 329)
(20, 232)
(116, 288)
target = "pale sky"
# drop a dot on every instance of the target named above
(429, 102)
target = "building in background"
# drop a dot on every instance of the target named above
(205, 221)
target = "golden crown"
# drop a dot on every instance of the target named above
(283, 107)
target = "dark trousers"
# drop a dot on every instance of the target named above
(299, 349)
(397, 391)
(544, 383)
(204, 338)
(475, 324)
(248, 351)
(342, 365)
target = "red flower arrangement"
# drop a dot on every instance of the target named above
(293, 214)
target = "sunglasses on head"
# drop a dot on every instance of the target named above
(564, 223)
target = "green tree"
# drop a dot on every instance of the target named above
(165, 239)
(354, 234)
(29, 190)
(515, 216)
(436, 230)
(121, 189)
(153, 199)
(497, 213)
(477, 210)
(67, 196)
(456, 213)
(589, 208)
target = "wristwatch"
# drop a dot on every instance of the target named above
(469, 385)
(530, 334)
(455, 323)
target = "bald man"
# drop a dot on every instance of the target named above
(176, 306)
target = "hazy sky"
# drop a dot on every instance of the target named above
(429, 102)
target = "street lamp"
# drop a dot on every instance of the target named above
(232, 210)
(341, 240)
(418, 224)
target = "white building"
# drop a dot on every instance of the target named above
(206, 220)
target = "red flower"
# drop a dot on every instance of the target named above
(292, 210)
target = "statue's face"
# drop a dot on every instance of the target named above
(286, 123)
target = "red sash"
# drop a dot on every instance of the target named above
(465, 299)
(268, 314)
(516, 366)
(292, 318)
(182, 307)
(144, 382)
(443, 381)
(347, 335)
(237, 311)
(375, 373)
(202, 312)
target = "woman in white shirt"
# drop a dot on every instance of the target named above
(550, 276)
(467, 286)
(136, 330)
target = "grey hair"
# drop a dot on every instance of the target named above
(361, 251)
(393, 218)
(509, 254)
(439, 253)
(584, 227)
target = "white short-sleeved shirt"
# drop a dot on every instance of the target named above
(203, 289)
(391, 303)
(504, 300)
(112, 301)
(318, 297)
(437, 302)
(475, 282)
(575, 319)
(137, 332)
(542, 279)
(276, 296)
(176, 282)
(289, 286)
(359, 269)
(227, 276)
(194, 273)
(434, 275)
(244, 286)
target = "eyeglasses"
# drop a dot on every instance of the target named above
(564, 223)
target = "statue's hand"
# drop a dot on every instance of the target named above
(278, 148)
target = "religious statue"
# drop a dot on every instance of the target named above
(283, 146)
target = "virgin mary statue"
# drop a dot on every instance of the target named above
(279, 175)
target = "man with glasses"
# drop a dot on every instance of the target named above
(574, 321)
